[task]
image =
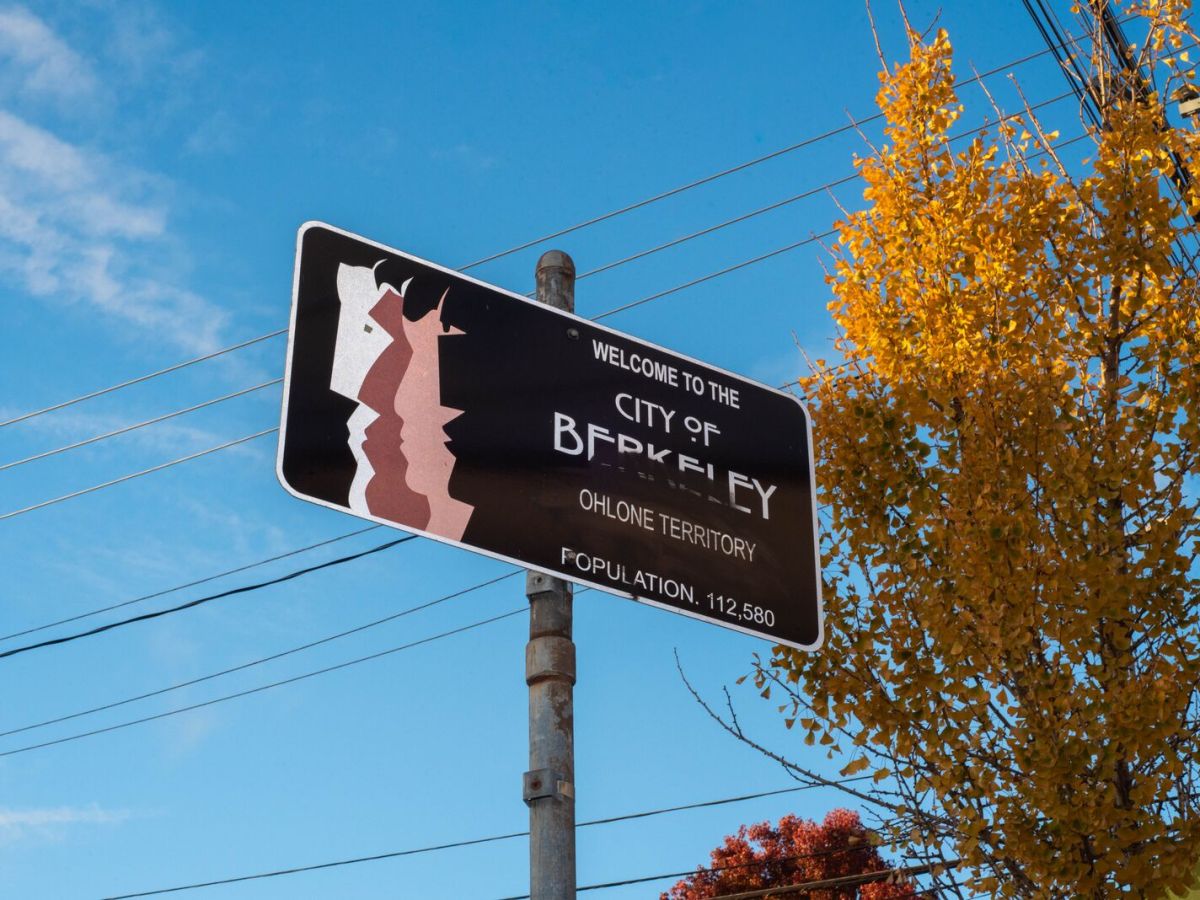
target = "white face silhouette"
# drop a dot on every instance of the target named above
(360, 342)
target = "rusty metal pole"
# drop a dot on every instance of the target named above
(549, 788)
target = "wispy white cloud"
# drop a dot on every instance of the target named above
(77, 226)
(245, 534)
(143, 44)
(38, 61)
(467, 156)
(52, 822)
(74, 228)
(215, 135)
(61, 815)
(69, 182)
(185, 734)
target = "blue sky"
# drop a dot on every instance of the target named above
(155, 162)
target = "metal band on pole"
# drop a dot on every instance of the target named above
(549, 788)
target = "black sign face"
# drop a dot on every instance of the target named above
(421, 398)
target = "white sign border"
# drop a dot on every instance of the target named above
(287, 383)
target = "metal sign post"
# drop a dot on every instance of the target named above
(549, 788)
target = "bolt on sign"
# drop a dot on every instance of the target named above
(420, 398)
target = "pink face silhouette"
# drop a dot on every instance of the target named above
(404, 465)
(418, 404)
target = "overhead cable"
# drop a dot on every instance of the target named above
(244, 589)
(641, 254)
(259, 434)
(476, 841)
(180, 587)
(643, 300)
(717, 274)
(243, 568)
(1066, 61)
(128, 428)
(841, 881)
(132, 381)
(833, 132)
(265, 687)
(261, 660)
(804, 195)
(664, 876)
(820, 189)
(491, 839)
(132, 475)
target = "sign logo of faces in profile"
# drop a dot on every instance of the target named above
(389, 366)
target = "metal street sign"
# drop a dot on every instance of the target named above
(417, 397)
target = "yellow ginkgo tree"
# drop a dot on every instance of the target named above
(1007, 447)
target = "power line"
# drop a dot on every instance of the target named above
(840, 881)
(648, 299)
(713, 228)
(830, 133)
(132, 475)
(724, 801)
(641, 254)
(329, 865)
(259, 434)
(1066, 61)
(229, 444)
(622, 308)
(643, 879)
(233, 571)
(264, 687)
(475, 841)
(950, 883)
(804, 195)
(132, 381)
(128, 428)
(1091, 98)
(261, 660)
(780, 250)
(716, 274)
(608, 266)
(244, 589)
(198, 581)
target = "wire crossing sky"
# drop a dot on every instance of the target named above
(644, 814)
(156, 160)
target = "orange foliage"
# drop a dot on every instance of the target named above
(1008, 443)
(794, 851)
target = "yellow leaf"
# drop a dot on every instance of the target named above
(856, 766)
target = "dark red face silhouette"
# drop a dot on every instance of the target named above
(388, 495)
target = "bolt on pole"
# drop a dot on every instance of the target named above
(549, 788)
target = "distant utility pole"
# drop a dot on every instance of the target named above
(1139, 82)
(549, 788)
(1096, 94)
